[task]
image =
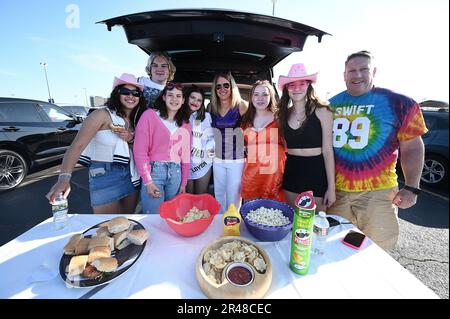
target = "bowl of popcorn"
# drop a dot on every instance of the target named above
(267, 219)
(188, 214)
(233, 267)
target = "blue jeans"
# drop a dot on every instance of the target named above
(109, 182)
(167, 177)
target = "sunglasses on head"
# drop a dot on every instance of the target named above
(225, 86)
(134, 92)
(172, 85)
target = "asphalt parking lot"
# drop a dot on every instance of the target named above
(423, 246)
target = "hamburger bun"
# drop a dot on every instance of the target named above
(77, 265)
(108, 264)
(123, 244)
(69, 248)
(82, 247)
(138, 236)
(120, 237)
(98, 252)
(118, 224)
(116, 127)
(101, 242)
(102, 232)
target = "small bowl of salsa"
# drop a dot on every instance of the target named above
(240, 274)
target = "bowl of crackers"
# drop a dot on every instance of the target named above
(188, 214)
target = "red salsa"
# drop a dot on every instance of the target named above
(239, 275)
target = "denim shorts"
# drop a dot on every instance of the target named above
(167, 177)
(109, 182)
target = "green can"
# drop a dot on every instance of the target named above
(302, 232)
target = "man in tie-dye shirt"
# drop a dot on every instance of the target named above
(370, 125)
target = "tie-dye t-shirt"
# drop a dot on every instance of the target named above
(367, 130)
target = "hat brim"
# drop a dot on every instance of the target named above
(283, 80)
(118, 82)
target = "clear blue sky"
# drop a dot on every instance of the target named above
(408, 37)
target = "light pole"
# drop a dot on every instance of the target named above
(85, 96)
(273, 7)
(44, 65)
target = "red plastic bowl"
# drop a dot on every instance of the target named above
(175, 208)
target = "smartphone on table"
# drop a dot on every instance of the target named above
(354, 239)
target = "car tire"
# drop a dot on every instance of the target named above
(13, 169)
(435, 171)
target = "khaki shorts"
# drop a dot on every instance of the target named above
(372, 212)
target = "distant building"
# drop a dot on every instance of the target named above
(97, 101)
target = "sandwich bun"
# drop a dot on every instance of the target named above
(98, 252)
(118, 224)
(116, 127)
(69, 248)
(101, 242)
(77, 265)
(108, 264)
(138, 236)
(82, 247)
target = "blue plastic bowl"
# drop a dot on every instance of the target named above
(263, 232)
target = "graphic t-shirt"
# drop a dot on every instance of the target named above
(151, 90)
(367, 132)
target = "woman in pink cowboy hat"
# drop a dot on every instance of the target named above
(104, 145)
(306, 124)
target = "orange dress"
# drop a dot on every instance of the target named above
(264, 163)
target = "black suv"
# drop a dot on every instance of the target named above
(31, 133)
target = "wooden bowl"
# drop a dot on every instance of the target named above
(226, 290)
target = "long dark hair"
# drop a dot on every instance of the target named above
(113, 103)
(182, 115)
(201, 111)
(283, 112)
(249, 116)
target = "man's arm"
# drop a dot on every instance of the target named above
(412, 157)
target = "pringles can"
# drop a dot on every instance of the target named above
(302, 232)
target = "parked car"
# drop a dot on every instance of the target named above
(202, 42)
(77, 110)
(31, 133)
(435, 168)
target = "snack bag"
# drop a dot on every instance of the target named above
(302, 230)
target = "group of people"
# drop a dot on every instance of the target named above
(158, 136)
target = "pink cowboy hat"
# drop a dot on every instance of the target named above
(296, 73)
(127, 78)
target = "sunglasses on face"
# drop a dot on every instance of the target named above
(134, 92)
(225, 86)
(172, 85)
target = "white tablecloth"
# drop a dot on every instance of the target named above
(166, 268)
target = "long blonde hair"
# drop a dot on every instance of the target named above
(236, 98)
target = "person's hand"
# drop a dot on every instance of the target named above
(125, 135)
(182, 189)
(404, 199)
(153, 190)
(210, 153)
(329, 198)
(58, 188)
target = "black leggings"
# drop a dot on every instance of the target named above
(305, 173)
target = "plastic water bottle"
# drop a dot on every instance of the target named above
(321, 227)
(59, 210)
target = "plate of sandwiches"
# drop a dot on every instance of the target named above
(103, 252)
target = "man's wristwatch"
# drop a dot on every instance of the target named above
(412, 189)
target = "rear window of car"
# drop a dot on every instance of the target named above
(19, 112)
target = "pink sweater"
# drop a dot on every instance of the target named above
(153, 142)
